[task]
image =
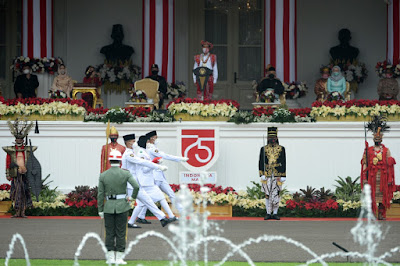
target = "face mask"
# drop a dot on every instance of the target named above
(156, 142)
(336, 74)
(62, 72)
(271, 76)
(135, 145)
(26, 71)
(325, 76)
(205, 50)
(148, 146)
(113, 139)
(154, 72)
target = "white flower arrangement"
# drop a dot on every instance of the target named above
(206, 110)
(339, 111)
(53, 108)
(4, 195)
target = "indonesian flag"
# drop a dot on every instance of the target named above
(37, 28)
(393, 31)
(159, 38)
(280, 38)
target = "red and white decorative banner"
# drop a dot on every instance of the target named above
(280, 38)
(159, 37)
(201, 146)
(393, 31)
(37, 28)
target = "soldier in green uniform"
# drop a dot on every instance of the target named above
(272, 168)
(112, 187)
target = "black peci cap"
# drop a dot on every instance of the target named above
(151, 134)
(129, 137)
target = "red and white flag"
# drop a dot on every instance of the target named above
(280, 38)
(37, 28)
(159, 37)
(393, 31)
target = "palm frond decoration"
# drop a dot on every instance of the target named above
(377, 122)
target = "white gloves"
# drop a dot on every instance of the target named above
(101, 214)
(263, 177)
(162, 168)
(184, 159)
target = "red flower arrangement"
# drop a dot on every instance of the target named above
(1, 99)
(196, 188)
(358, 103)
(40, 101)
(314, 205)
(138, 111)
(260, 111)
(215, 102)
(82, 197)
(5, 187)
(302, 112)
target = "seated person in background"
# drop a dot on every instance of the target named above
(25, 85)
(271, 82)
(63, 82)
(388, 88)
(336, 82)
(320, 85)
(91, 77)
(162, 87)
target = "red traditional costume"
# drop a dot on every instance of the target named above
(210, 61)
(378, 170)
(106, 149)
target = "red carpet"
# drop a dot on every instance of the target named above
(210, 218)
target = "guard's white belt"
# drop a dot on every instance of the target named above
(115, 197)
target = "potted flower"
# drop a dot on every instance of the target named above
(58, 94)
(5, 201)
(335, 96)
(138, 96)
(267, 96)
(295, 90)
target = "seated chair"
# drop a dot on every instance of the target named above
(282, 97)
(150, 87)
(99, 101)
(347, 93)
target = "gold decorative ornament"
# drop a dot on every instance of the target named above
(375, 161)
(113, 131)
(132, 155)
(379, 156)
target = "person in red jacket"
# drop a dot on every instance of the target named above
(377, 169)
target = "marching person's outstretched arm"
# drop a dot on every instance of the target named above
(157, 153)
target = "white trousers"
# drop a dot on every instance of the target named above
(166, 188)
(143, 199)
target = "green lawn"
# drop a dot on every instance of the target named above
(15, 262)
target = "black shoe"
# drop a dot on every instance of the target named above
(165, 221)
(267, 217)
(133, 226)
(276, 217)
(173, 219)
(142, 221)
